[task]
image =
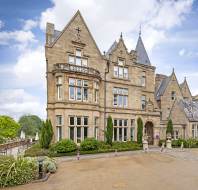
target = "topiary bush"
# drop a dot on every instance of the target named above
(63, 146)
(109, 131)
(16, 171)
(139, 130)
(89, 144)
(46, 134)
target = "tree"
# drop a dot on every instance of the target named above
(8, 127)
(30, 124)
(109, 131)
(169, 128)
(139, 130)
(46, 134)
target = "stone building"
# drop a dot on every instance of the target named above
(84, 87)
(176, 102)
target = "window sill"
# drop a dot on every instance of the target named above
(124, 79)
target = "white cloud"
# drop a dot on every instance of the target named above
(30, 67)
(107, 19)
(1, 24)
(29, 24)
(182, 52)
(16, 102)
(18, 38)
(188, 53)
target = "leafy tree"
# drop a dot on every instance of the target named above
(8, 127)
(169, 128)
(139, 130)
(46, 134)
(109, 131)
(30, 124)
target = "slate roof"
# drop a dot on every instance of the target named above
(56, 34)
(113, 46)
(190, 109)
(162, 87)
(142, 56)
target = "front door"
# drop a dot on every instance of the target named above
(149, 132)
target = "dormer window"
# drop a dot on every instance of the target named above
(78, 59)
(120, 62)
(120, 71)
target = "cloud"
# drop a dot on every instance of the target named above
(107, 19)
(187, 53)
(16, 102)
(30, 68)
(29, 24)
(18, 38)
(1, 24)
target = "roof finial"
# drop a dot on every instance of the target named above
(173, 69)
(140, 31)
(121, 35)
(185, 78)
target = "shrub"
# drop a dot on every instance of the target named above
(162, 141)
(16, 171)
(109, 131)
(126, 145)
(63, 146)
(89, 144)
(46, 134)
(169, 128)
(49, 165)
(36, 150)
(139, 130)
(103, 145)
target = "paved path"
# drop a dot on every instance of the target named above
(170, 170)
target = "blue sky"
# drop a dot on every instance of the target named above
(169, 32)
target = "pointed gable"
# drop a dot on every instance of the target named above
(185, 90)
(76, 22)
(118, 47)
(142, 56)
(167, 82)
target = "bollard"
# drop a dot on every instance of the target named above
(182, 146)
(78, 155)
(116, 152)
(40, 163)
(162, 147)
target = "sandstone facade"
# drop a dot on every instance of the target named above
(84, 87)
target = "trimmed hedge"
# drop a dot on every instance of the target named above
(63, 146)
(89, 144)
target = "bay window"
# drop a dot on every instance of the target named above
(59, 124)
(78, 128)
(78, 89)
(59, 86)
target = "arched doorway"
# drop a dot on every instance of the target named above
(148, 130)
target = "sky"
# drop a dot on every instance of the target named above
(169, 31)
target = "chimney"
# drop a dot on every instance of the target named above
(49, 33)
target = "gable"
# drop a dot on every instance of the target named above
(173, 85)
(70, 34)
(177, 114)
(185, 90)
